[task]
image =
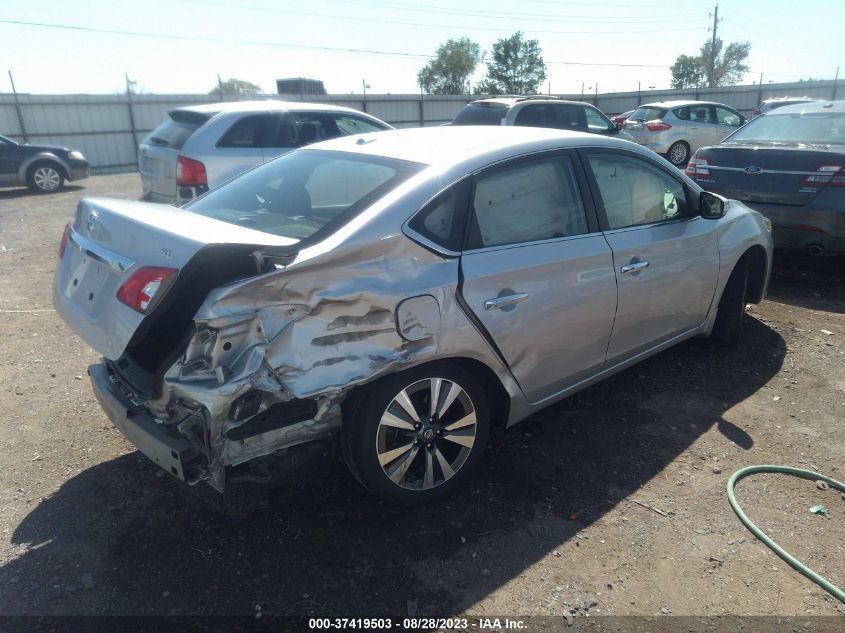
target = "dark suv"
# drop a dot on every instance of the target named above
(43, 168)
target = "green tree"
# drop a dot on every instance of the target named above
(517, 67)
(687, 72)
(235, 88)
(449, 72)
(714, 66)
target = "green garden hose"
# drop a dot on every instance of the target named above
(822, 582)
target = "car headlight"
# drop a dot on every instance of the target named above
(768, 224)
(76, 155)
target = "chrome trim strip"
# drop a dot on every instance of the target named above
(116, 262)
(770, 171)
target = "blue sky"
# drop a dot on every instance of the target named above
(583, 42)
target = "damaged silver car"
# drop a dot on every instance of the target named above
(391, 296)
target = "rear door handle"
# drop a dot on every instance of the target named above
(502, 302)
(630, 268)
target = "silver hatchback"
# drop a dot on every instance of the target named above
(677, 129)
(200, 147)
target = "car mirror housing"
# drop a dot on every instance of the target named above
(711, 206)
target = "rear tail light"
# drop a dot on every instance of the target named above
(65, 238)
(138, 291)
(190, 172)
(657, 126)
(826, 175)
(697, 167)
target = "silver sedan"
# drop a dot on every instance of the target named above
(389, 297)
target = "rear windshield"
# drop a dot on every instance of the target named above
(476, 114)
(807, 127)
(304, 192)
(648, 114)
(176, 130)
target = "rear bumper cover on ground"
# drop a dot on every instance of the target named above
(162, 444)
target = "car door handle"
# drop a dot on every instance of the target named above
(502, 302)
(630, 268)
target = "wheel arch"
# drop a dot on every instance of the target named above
(43, 157)
(757, 272)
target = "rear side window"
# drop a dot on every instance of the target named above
(173, 133)
(634, 192)
(538, 115)
(443, 219)
(728, 117)
(477, 114)
(253, 131)
(527, 202)
(648, 113)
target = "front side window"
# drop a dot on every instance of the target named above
(304, 192)
(597, 123)
(527, 202)
(682, 113)
(634, 192)
(570, 117)
(728, 117)
(701, 114)
(349, 124)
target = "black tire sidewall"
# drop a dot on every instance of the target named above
(731, 311)
(361, 426)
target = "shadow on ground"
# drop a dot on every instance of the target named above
(816, 283)
(322, 546)
(25, 192)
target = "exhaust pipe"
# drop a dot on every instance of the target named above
(815, 250)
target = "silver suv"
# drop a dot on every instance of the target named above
(200, 147)
(540, 111)
(678, 128)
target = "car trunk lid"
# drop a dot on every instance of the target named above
(112, 240)
(791, 175)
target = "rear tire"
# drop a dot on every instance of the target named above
(678, 153)
(45, 177)
(404, 451)
(731, 311)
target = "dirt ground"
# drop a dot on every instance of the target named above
(552, 523)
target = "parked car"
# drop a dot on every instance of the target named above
(200, 147)
(677, 128)
(42, 168)
(394, 295)
(788, 164)
(619, 119)
(540, 111)
(778, 102)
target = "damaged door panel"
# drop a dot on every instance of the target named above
(364, 296)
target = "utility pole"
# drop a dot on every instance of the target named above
(835, 82)
(220, 87)
(711, 79)
(20, 112)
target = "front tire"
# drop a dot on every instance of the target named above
(45, 177)
(678, 153)
(731, 311)
(415, 437)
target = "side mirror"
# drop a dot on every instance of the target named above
(711, 206)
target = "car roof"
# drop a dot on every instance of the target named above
(778, 99)
(509, 101)
(264, 105)
(446, 146)
(809, 106)
(678, 104)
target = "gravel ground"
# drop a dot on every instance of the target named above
(611, 502)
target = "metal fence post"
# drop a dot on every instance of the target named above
(132, 122)
(422, 111)
(835, 84)
(18, 109)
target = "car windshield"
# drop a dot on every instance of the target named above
(794, 127)
(481, 114)
(647, 113)
(304, 192)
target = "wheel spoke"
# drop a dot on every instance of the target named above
(404, 401)
(428, 482)
(451, 395)
(397, 472)
(467, 420)
(388, 456)
(388, 419)
(463, 438)
(444, 465)
(435, 396)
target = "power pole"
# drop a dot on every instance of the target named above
(711, 79)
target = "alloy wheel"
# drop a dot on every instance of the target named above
(426, 434)
(46, 178)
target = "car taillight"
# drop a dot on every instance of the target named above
(657, 126)
(65, 238)
(190, 172)
(138, 291)
(826, 175)
(697, 167)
